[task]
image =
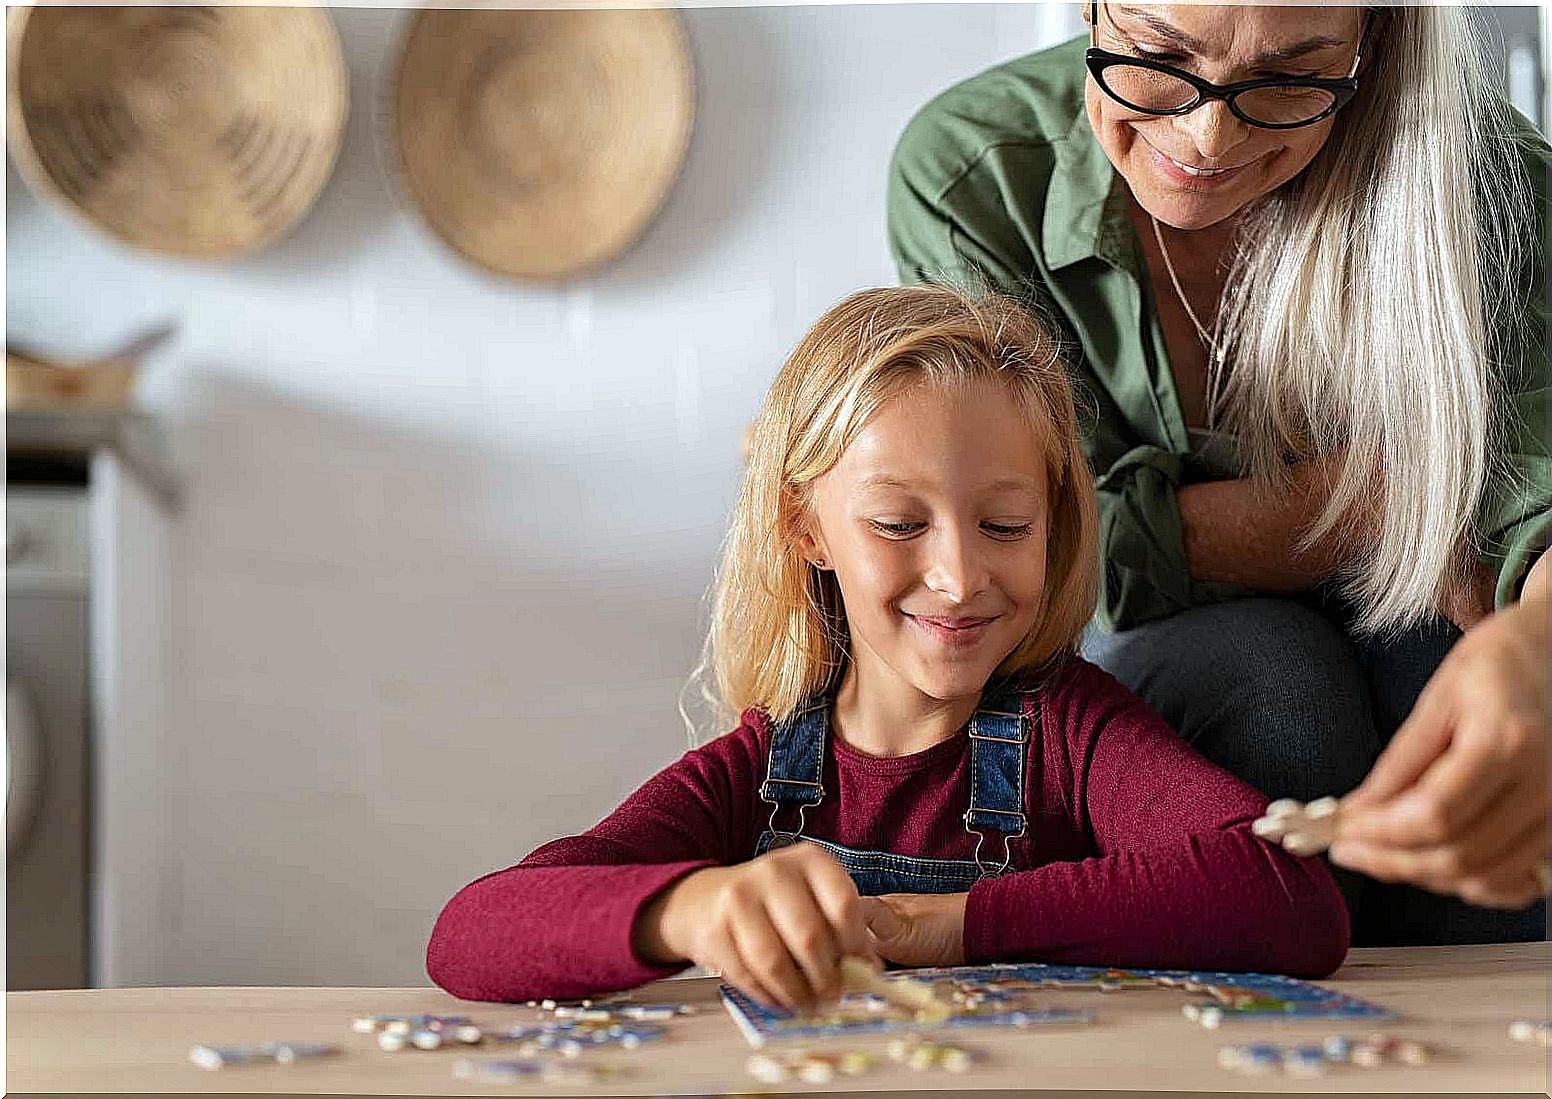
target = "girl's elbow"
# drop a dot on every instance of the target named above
(1321, 934)
(452, 964)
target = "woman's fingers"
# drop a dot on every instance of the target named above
(1516, 878)
(1498, 853)
(1420, 741)
(1443, 806)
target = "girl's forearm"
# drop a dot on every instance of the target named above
(1218, 900)
(562, 931)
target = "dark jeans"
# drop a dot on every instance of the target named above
(1281, 693)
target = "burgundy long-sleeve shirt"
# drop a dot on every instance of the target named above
(1139, 852)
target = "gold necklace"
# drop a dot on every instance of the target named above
(1201, 329)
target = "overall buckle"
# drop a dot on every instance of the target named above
(1007, 840)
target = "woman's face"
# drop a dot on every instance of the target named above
(1194, 170)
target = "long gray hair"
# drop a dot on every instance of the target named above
(1362, 305)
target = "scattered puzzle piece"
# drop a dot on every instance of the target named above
(516, 1069)
(1535, 1031)
(573, 1037)
(1260, 1058)
(921, 1054)
(371, 1024)
(396, 1036)
(806, 1066)
(280, 1053)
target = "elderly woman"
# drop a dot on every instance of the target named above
(1298, 253)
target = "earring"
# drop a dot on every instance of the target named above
(820, 563)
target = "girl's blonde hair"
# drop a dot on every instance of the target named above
(778, 633)
(1361, 308)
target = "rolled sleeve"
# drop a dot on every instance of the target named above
(1144, 574)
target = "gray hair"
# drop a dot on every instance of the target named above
(1362, 305)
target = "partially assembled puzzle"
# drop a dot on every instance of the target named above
(1018, 995)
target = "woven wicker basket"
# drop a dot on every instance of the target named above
(542, 143)
(201, 132)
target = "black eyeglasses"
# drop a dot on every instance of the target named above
(1275, 103)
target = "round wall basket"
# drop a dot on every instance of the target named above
(201, 132)
(541, 143)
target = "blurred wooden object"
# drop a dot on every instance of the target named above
(33, 382)
(203, 132)
(542, 143)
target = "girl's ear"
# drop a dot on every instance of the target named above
(801, 531)
(811, 546)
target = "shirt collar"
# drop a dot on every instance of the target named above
(1085, 207)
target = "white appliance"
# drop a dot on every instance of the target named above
(47, 758)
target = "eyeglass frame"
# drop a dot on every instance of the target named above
(1342, 89)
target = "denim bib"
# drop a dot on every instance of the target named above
(999, 740)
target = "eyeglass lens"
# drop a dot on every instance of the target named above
(1150, 90)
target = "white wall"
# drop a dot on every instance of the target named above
(436, 575)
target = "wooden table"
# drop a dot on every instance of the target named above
(137, 1040)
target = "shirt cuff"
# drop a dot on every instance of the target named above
(998, 906)
(1144, 573)
(1521, 549)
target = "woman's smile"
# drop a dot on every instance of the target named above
(1194, 175)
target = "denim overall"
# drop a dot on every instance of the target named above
(999, 740)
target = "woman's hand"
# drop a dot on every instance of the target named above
(776, 926)
(917, 929)
(1458, 801)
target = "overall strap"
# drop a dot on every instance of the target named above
(999, 752)
(794, 769)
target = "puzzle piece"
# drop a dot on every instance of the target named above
(573, 1037)
(517, 1069)
(921, 1055)
(280, 1053)
(903, 992)
(371, 1024)
(1260, 1058)
(608, 1010)
(398, 1035)
(810, 1068)
(1301, 829)
(1534, 1031)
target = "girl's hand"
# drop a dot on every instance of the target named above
(776, 926)
(917, 929)
(1458, 801)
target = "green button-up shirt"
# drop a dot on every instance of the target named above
(1000, 181)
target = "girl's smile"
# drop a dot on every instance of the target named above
(950, 631)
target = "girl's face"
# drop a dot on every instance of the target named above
(1196, 169)
(934, 522)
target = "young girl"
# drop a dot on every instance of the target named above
(910, 563)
